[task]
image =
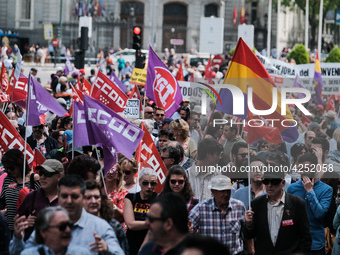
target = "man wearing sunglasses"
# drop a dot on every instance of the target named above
(317, 196)
(170, 156)
(88, 230)
(50, 173)
(148, 113)
(53, 234)
(278, 220)
(167, 221)
(159, 117)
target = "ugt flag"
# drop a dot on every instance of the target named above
(318, 80)
(39, 102)
(161, 86)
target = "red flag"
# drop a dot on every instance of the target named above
(242, 15)
(208, 74)
(331, 104)
(12, 81)
(85, 87)
(19, 94)
(148, 155)
(4, 79)
(105, 91)
(179, 75)
(235, 16)
(10, 139)
(257, 129)
(39, 159)
(77, 96)
(135, 94)
(306, 121)
(3, 97)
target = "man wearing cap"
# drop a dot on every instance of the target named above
(41, 141)
(34, 72)
(278, 220)
(330, 118)
(164, 125)
(47, 195)
(220, 217)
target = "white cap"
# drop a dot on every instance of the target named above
(220, 182)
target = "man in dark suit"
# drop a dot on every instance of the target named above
(278, 220)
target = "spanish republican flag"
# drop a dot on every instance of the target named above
(245, 70)
(318, 84)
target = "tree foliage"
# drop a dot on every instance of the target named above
(334, 55)
(299, 54)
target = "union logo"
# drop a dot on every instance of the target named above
(165, 88)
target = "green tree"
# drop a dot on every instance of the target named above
(334, 55)
(299, 54)
(313, 16)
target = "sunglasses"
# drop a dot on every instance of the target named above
(264, 146)
(180, 182)
(152, 219)
(160, 115)
(146, 183)
(163, 141)
(150, 112)
(243, 155)
(62, 226)
(272, 181)
(96, 197)
(165, 158)
(46, 173)
(127, 172)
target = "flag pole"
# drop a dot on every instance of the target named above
(27, 111)
(277, 29)
(269, 27)
(101, 170)
(73, 129)
(320, 29)
(306, 24)
(249, 185)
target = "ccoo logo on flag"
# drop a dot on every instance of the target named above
(165, 88)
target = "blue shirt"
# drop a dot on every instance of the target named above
(242, 194)
(318, 201)
(71, 249)
(82, 234)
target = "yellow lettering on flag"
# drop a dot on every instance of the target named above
(138, 76)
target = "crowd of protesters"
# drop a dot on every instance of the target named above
(67, 207)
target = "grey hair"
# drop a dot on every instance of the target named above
(312, 126)
(148, 124)
(43, 221)
(146, 171)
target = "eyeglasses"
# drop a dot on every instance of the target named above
(96, 197)
(146, 183)
(46, 173)
(180, 182)
(62, 226)
(243, 155)
(310, 137)
(150, 112)
(160, 115)
(163, 141)
(73, 196)
(152, 219)
(272, 181)
(127, 172)
(196, 120)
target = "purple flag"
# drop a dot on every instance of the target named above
(298, 84)
(227, 103)
(40, 101)
(115, 80)
(68, 66)
(161, 86)
(81, 137)
(108, 128)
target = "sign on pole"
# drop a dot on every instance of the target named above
(132, 108)
(247, 34)
(48, 31)
(85, 21)
(211, 35)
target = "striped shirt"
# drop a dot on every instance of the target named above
(224, 226)
(275, 212)
(9, 197)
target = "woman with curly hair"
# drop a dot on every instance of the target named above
(180, 129)
(97, 203)
(177, 181)
(129, 168)
(84, 166)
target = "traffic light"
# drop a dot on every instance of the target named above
(137, 35)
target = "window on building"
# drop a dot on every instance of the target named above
(211, 10)
(26, 9)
